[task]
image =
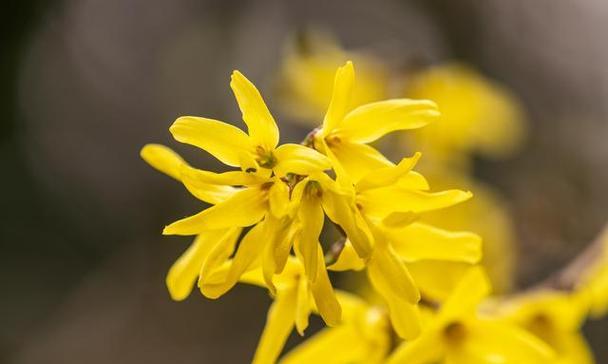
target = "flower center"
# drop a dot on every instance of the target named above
(265, 159)
(455, 331)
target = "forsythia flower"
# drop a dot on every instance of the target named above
(554, 317)
(460, 334)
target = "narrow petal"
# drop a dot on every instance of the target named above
(405, 317)
(279, 323)
(261, 125)
(340, 99)
(224, 141)
(324, 295)
(198, 183)
(342, 212)
(184, 272)
(389, 275)
(278, 199)
(163, 159)
(370, 122)
(470, 291)
(278, 236)
(358, 160)
(383, 201)
(420, 241)
(221, 251)
(249, 250)
(302, 306)
(428, 348)
(298, 159)
(250, 203)
(386, 176)
(311, 218)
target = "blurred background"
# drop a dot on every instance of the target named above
(86, 83)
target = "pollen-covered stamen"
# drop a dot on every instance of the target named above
(455, 331)
(265, 158)
(313, 188)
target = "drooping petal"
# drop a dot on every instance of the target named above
(428, 348)
(387, 175)
(420, 241)
(472, 289)
(405, 317)
(184, 272)
(358, 160)
(248, 252)
(195, 182)
(383, 201)
(279, 323)
(195, 177)
(340, 99)
(413, 181)
(163, 159)
(278, 199)
(325, 298)
(342, 212)
(278, 236)
(221, 251)
(224, 141)
(261, 125)
(370, 122)
(303, 307)
(389, 275)
(298, 159)
(250, 203)
(311, 218)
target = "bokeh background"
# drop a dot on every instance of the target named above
(86, 83)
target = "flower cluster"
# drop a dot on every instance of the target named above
(267, 214)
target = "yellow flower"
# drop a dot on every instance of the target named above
(305, 79)
(295, 299)
(460, 334)
(345, 133)
(363, 336)
(556, 318)
(478, 115)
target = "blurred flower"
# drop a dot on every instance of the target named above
(460, 334)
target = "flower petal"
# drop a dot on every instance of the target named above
(324, 295)
(470, 291)
(370, 122)
(248, 252)
(298, 159)
(428, 348)
(261, 125)
(405, 317)
(345, 214)
(224, 141)
(249, 202)
(302, 306)
(279, 323)
(389, 275)
(221, 251)
(348, 259)
(163, 159)
(340, 99)
(278, 199)
(358, 160)
(386, 176)
(383, 201)
(420, 241)
(311, 219)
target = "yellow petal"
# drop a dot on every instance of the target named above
(348, 259)
(185, 270)
(470, 291)
(389, 275)
(302, 306)
(194, 177)
(383, 201)
(420, 241)
(221, 251)
(202, 189)
(249, 250)
(358, 160)
(413, 181)
(278, 199)
(279, 323)
(493, 339)
(340, 99)
(324, 295)
(298, 159)
(261, 125)
(249, 202)
(278, 236)
(343, 212)
(387, 175)
(405, 317)
(224, 141)
(325, 347)
(311, 218)
(370, 122)
(163, 159)
(428, 348)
